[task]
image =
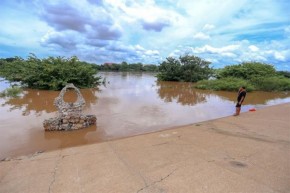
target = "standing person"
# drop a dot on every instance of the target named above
(240, 99)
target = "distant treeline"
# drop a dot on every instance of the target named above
(124, 66)
(55, 72)
(115, 67)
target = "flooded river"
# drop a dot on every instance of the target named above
(128, 104)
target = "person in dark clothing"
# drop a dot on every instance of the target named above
(240, 99)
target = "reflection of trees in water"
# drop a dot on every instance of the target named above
(264, 97)
(255, 98)
(42, 100)
(136, 74)
(186, 94)
(183, 93)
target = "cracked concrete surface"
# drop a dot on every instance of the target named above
(249, 153)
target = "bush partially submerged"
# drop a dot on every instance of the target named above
(51, 73)
(247, 70)
(253, 75)
(187, 68)
(273, 83)
(227, 84)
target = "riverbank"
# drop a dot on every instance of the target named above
(248, 153)
(154, 106)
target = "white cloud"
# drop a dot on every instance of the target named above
(279, 56)
(152, 52)
(139, 48)
(146, 13)
(207, 27)
(253, 48)
(212, 60)
(229, 54)
(201, 36)
(176, 53)
(149, 30)
(210, 49)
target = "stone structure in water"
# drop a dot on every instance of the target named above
(70, 115)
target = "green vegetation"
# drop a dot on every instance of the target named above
(227, 84)
(253, 75)
(55, 72)
(51, 73)
(284, 73)
(187, 68)
(247, 70)
(125, 67)
(13, 91)
(271, 83)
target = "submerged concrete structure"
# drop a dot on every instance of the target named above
(70, 115)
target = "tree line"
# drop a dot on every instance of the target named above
(252, 75)
(55, 72)
(127, 67)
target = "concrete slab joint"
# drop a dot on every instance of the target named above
(70, 116)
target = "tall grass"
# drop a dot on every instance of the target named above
(227, 84)
(13, 91)
(274, 83)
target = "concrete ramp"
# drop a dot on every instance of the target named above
(246, 154)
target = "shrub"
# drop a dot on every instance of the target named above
(284, 73)
(273, 83)
(170, 70)
(187, 68)
(50, 73)
(247, 70)
(227, 84)
(257, 75)
(14, 91)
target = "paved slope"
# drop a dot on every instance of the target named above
(249, 153)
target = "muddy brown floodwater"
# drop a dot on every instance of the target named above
(128, 104)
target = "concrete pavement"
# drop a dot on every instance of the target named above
(249, 153)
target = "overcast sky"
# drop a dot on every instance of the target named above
(147, 31)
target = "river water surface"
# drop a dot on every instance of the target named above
(128, 104)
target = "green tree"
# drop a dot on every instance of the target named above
(136, 67)
(187, 68)
(124, 66)
(253, 75)
(150, 68)
(170, 70)
(195, 68)
(284, 73)
(50, 73)
(247, 70)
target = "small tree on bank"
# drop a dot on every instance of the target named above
(187, 68)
